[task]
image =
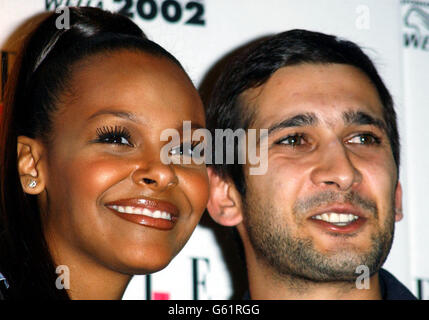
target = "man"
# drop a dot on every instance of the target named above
(321, 218)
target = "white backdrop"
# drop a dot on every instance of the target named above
(200, 32)
(415, 33)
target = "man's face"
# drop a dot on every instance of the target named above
(326, 204)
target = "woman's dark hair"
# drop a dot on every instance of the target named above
(254, 66)
(42, 71)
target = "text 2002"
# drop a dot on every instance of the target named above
(171, 10)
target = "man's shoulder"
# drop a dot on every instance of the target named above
(3, 285)
(392, 288)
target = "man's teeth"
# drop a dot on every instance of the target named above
(340, 219)
(142, 211)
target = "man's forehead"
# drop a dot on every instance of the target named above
(308, 119)
(330, 93)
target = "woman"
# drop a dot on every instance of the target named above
(82, 185)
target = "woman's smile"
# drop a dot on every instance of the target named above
(89, 106)
(120, 204)
(147, 212)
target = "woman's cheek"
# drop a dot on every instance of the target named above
(96, 176)
(196, 184)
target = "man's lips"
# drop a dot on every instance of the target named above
(149, 212)
(339, 209)
(339, 218)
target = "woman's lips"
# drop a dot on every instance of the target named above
(152, 213)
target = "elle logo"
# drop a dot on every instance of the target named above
(200, 268)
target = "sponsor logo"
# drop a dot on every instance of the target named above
(53, 4)
(422, 288)
(190, 13)
(416, 26)
(200, 270)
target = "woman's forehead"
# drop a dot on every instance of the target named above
(148, 87)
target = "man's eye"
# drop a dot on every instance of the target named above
(365, 138)
(293, 140)
(114, 135)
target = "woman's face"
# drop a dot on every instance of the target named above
(104, 158)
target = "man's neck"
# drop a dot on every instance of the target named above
(264, 284)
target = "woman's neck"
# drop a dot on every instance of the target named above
(96, 284)
(84, 277)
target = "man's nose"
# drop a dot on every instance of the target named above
(334, 167)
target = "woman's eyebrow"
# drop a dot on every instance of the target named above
(117, 113)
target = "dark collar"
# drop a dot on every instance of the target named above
(391, 288)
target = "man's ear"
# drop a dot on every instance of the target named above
(398, 202)
(224, 204)
(29, 154)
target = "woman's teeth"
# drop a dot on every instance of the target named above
(339, 219)
(142, 211)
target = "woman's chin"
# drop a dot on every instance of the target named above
(140, 264)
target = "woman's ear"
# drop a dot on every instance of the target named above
(29, 154)
(224, 204)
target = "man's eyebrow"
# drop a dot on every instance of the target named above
(299, 120)
(363, 118)
(117, 113)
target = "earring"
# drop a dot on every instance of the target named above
(32, 184)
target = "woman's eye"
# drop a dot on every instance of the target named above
(186, 149)
(293, 140)
(365, 139)
(115, 140)
(114, 135)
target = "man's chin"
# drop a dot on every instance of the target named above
(344, 266)
(340, 264)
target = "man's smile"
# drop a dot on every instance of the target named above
(339, 218)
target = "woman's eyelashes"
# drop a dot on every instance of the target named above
(116, 135)
(121, 136)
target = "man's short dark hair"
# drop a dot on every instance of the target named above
(254, 66)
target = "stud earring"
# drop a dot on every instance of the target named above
(32, 184)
